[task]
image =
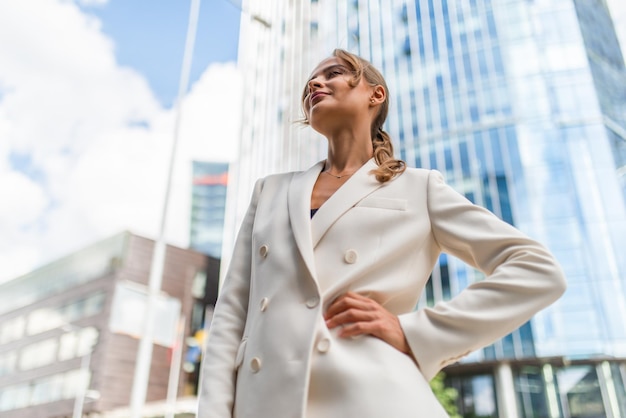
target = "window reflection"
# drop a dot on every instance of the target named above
(12, 329)
(43, 390)
(531, 392)
(8, 362)
(45, 319)
(618, 374)
(477, 397)
(38, 354)
(580, 393)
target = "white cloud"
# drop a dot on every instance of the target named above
(93, 2)
(95, 136)
(28, 203)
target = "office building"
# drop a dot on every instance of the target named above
(68, 330)
(208, 201)
(617, 9)
(522, 106)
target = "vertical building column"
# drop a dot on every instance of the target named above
(607, 388)
(551, 395)
(505, 391)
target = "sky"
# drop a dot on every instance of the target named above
(87, 89)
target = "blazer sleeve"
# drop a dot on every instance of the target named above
(218, 374)
(522, 277)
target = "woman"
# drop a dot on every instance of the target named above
(316, 316)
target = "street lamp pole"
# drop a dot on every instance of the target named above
(144, 352)
(79, 401)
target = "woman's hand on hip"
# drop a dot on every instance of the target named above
(358, 315)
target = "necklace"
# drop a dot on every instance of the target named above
(338, 177)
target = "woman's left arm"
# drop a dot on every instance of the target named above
(522, 278)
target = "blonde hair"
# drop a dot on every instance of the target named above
(388, 166)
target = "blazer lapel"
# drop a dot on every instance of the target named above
(356, 188)
(299, 203)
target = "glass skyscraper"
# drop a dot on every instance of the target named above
(521, 104)
(208, 201)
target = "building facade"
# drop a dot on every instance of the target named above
(617, 10)
(62, 337)
(208, 202)
(522, 106)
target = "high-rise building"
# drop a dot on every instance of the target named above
(68, 330)
(617, 9)
(208, 202)
(522, 105)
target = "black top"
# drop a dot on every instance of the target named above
(313, 211)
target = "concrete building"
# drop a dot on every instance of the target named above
(68, 330)
(522, 105)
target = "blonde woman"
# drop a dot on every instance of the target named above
(317, 315)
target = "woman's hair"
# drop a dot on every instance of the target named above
(388, 166)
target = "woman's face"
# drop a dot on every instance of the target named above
(330, 98)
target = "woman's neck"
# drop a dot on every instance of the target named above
(348, 151)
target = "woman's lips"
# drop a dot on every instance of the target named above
(316, 97)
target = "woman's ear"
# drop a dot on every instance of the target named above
(378, 95)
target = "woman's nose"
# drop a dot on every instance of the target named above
(314, 84)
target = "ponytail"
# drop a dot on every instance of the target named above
(388, 166)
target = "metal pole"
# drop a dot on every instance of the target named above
(79, 401)
(144, 352)
(177, 357)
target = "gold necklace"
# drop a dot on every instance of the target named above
(338, 177)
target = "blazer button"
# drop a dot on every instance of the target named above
(312, 302)
(264, 250)
(264, 303)
(350, 256)
(255, 364)
(323, 345)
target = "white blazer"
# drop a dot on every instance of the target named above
(269, 353)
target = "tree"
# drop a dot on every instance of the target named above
(446, 396)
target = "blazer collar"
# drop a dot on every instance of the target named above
(361, 184)
(299, 202)
(308, 232)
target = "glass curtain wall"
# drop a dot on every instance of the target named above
(520, 104)
(504, 98)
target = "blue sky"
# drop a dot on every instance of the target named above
(150, 36)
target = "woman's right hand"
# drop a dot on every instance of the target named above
(359, 315)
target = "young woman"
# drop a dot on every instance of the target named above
(317, 315)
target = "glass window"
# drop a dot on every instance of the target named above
(14, 397)
(477, 395)
(74, 381)
(508, 346)
(198, 285)
(618, 373)
(465, 165)
(12, 329)
(38, 354)
(77, 343)
(527, 339)
(531, 392)
(21, 396)
(7, 363)
(579, 388)
(67, 346)
(430, 294)
(94, 304)
(445, 280)
(87, 340)
(42, 391)
(42, 320)
(73, 311)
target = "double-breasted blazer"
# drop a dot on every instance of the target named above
(269, 353)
